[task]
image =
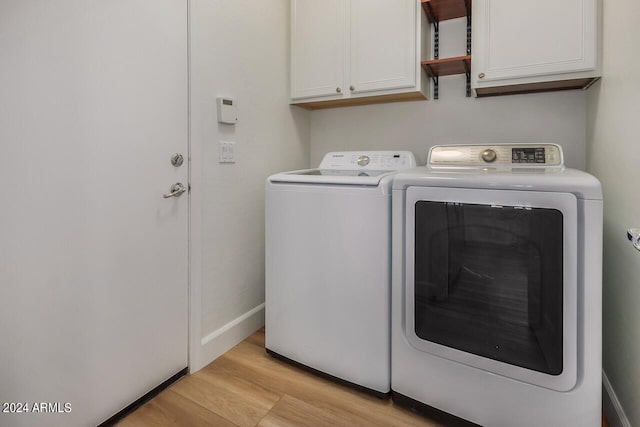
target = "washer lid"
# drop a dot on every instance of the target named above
(332, 176)
(351, 168)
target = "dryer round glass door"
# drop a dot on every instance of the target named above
(491, 281)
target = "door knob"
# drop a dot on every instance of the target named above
(176, 190)
(338, 90)
(633, 234)
(177, 159)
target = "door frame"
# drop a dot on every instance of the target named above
(194, 279)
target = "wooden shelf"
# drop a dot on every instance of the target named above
(447, 66)
(442, 10)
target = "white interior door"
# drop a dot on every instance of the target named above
(93, 259)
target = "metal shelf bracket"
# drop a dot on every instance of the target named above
(436, 47)
(467, 73)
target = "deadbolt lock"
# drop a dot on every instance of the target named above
(177, 159)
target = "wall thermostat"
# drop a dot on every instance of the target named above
(227, 112)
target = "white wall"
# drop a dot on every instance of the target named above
(415, 126)
(239, 48)
(614, 157)
(558, 117)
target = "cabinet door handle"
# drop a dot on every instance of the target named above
(352, 88)
(338, 90)
(481, 76)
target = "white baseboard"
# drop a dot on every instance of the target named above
(221, 340)
(612, 408)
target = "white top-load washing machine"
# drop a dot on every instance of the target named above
(496, 289)
(328, 274)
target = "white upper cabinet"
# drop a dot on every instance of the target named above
(349, 52)
(383, 45)
(523, 46)
(318, 47)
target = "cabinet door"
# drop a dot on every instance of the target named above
(318, 47)
(383, 44)
(516, 39)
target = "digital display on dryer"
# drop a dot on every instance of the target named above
(528, 155)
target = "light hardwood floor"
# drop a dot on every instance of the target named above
(247, 387)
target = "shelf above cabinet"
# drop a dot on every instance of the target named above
(442, 10)
(447, 66)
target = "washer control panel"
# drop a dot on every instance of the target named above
(363, 160)
(368, 160)
(511, 155)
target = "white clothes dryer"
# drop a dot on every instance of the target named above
(328, 266)
(496, 287)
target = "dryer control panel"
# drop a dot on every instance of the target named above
(368, 160)
(505, 155)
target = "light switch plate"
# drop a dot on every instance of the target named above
(226, 152)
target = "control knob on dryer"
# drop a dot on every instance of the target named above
(489, 155)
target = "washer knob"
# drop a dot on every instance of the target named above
(363, 160)
(489, 156)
